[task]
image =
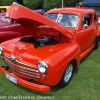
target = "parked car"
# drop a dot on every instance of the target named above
(3, 8)
(9, 28)
(41, 11)
(59, 41)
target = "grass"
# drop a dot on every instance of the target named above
(85, 84)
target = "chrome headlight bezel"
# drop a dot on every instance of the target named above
(42, 67)
(1, 51)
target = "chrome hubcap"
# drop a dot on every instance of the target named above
(68, 73)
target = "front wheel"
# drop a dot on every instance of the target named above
(67, 75)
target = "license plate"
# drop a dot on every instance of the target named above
(14, 80)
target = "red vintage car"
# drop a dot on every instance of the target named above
(10, 28)
(58, 44)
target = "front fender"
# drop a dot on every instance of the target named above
(62, 55)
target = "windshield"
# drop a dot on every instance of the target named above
(66, 20)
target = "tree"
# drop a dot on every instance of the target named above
(33, 4)
(7, 2)
(51, 4)
(20, 2)
(37, 4)
(72, 2)
(58, 3)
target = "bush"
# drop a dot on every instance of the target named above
(33, 4)
(38, 4)
(58, 3)
(7, 2)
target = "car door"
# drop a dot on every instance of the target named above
(89, 30)
(86, 35)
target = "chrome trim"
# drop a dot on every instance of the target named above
(24, 71)
(1, 51)
(45, 65)
(14, 60)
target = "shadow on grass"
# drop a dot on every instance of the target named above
(29, 91)
(53, 89)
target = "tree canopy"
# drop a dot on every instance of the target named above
(37, 4)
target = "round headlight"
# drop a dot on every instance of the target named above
(1, 51)
(42, 67)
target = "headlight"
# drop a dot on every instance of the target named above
(42, 67)
(1, 51)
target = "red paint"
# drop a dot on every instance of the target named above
(10, 30)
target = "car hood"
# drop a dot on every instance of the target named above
(29, 18)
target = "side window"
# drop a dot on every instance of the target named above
(95, 19)
(87, 20)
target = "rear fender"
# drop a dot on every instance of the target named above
(98, 32)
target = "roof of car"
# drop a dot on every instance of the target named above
(74, 10)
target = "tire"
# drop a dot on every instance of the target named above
(97, 43)
(67, 76)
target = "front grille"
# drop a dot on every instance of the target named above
(32, 73)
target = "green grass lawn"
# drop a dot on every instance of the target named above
(85, 84)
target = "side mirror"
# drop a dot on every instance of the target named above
(85, 26)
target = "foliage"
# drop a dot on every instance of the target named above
(37, 4)
(71, 2)
(1, 3)
(52, 4)
(33, 4)
(6, 2)
(20, 2)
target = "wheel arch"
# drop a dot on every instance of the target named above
(61, 82)
(76, 64)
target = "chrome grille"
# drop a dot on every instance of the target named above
(32, 73)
